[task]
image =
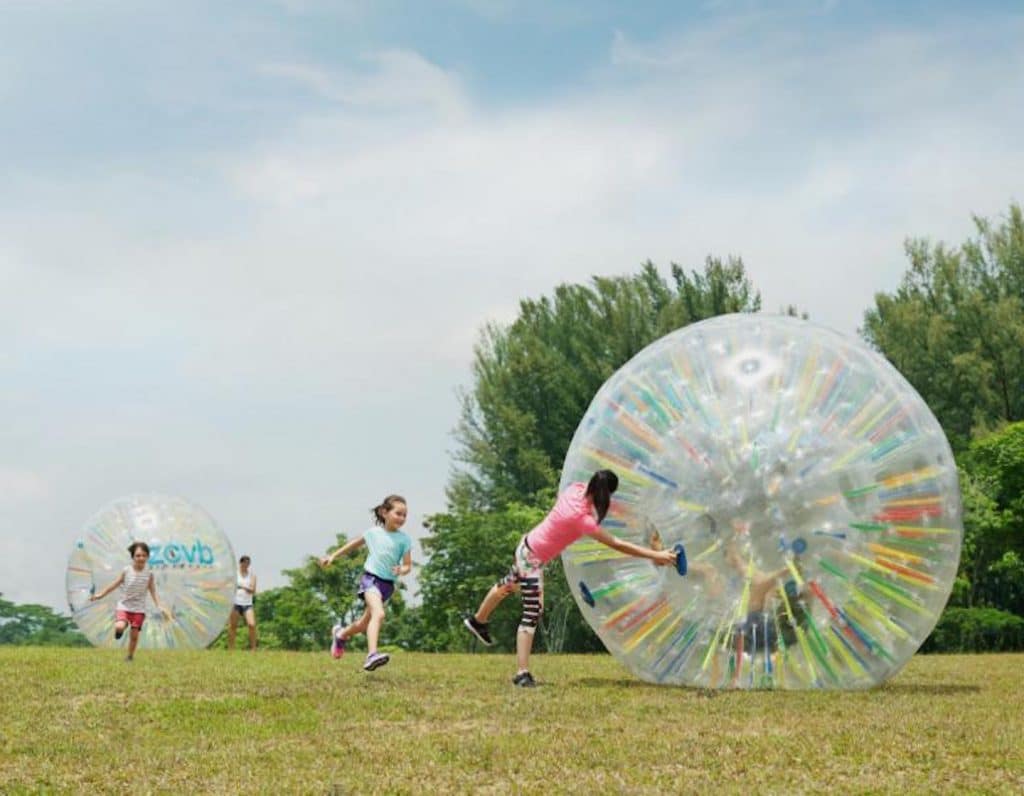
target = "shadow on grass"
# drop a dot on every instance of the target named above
(614, 682)
(622, 682)
(937, 689)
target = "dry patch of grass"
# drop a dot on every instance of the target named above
(216, 722)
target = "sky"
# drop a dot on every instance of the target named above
(246, 248)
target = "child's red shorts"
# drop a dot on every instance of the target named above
(133, 618)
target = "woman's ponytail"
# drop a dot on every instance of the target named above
(600, 489)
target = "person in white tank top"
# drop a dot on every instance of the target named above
(135, 581)
(245, 591)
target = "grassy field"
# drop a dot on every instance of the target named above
(216, 722)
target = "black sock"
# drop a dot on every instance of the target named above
(118, 633)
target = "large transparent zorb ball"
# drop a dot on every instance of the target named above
(813, 493)
(191, 560)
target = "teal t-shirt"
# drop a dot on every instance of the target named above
(387, 549)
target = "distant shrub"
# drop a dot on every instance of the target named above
(976, 630)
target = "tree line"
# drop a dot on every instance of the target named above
(954, 328)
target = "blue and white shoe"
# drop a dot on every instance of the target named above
(375, 660)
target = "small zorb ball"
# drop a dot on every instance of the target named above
(191, 559)
(812, 490)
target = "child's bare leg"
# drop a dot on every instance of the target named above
(232, 628)
(119, 627)
(250, 620)
(493, 599)
(357, 627)
(375, 609)
(133, 641)
(524, 645)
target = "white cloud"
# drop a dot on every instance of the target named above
(401, 81)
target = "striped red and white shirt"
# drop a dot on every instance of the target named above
(133, 590)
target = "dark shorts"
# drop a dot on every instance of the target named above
(242, 609)
(756, 629)
(370, 581)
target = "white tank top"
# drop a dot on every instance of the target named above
(243, 597)
(133, 590)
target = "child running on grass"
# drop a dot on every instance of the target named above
(578, 511)
(134, 581)
(390, 555)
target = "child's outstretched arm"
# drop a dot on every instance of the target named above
(156, 600)
(659, 557)
(345, 549)
(117, 582)
(779, 574)
(734, 559)
(406, 566)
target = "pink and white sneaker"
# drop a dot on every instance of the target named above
(337, 642)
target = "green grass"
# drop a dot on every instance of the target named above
(217, 722)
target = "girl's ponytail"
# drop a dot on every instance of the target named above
(385, 506)
(600, 489)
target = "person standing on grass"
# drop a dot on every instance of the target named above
(578, 511)
(134, 581)
(245, 592)
(390, 555)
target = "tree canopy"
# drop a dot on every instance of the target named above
(533, 379)
(992, 560)
(37, 625)
(955, 327)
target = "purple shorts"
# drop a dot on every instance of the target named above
(370, 581)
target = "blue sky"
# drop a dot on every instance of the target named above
(246, 248)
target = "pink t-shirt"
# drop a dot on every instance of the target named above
(571, 518)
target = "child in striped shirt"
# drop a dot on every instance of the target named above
(134, 581)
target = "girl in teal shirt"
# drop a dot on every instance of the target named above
(390, 555)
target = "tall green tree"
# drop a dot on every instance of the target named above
(532, 383)
(533, 380)
(955, 327)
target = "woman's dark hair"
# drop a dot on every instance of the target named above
(245, 560)
(385, 505)
(135, 546)
(599, 490)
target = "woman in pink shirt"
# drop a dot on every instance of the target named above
(578, 511)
